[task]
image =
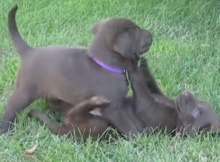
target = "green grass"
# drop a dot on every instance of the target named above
(185, 55)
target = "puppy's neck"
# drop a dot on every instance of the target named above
(107, 56)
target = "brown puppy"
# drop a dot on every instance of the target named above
(72, 75)
(158, 111)
(77, 120)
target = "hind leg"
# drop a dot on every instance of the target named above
(55, 128)
(85, 124)
(19, 100)
(83, 108)
(77, 118)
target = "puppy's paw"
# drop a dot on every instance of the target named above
(99, 101)
(186, 98)
(186, 93)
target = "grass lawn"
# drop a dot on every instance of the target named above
(185, 55)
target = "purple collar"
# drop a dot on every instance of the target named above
(108, 67)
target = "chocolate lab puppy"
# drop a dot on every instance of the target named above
(78, 121)
(187, 113)
(72, 75)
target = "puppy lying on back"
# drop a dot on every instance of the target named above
(78, 122)
(186, 114)
(72, 75)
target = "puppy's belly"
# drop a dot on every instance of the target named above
(79, 89)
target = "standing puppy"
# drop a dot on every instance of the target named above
(72, 75)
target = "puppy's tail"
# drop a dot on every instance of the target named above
(20, 45)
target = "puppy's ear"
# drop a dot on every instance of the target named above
(125, 44)
(97, 26)
(144, 42)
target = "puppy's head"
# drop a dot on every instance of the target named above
(196, 116)
(123, 37)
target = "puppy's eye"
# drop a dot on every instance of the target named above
(196, 112)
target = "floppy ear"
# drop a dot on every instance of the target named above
(125, 44)
(97, 26)
(178, 105)
(145, 42)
